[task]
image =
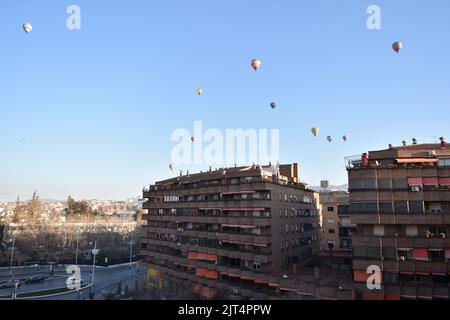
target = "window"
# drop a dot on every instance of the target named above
(444, 163)
(286, 213)
(331, 220)
(400, 183)
(378, 230)
(343, 209)
(256, 266)
(436, 232)
(386, 207)
(385, 183)
(416, 207)
(287, 228)
(412, 231)
(331, 231)
(401, 206)
(390, 278)
(437, 254)
(330, 209)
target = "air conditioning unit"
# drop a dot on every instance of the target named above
(415, 189)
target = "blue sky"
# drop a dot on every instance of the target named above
(97, 106)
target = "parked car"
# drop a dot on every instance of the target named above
(36, 279)
(10, 284)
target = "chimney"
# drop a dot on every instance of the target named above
(390, 146)
(365, 160)
(414, 141)
(443, 143)
(404, 143)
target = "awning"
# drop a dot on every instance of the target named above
(211, 274)
(244, 209)
(373, 296)
(420, 254)
(392, 296)
(407, 273)
(431, 181)
(425, 297)
(288, 289)
(415, 181)
(360, 276)
(247, 278)
(442, 274)
(417, 160)
(404, 296)
(423, 273)
(192, 256)
(405, 249)
(274, 285)
(208, 293)
(201, 272)
(261, 281)
(444, 182)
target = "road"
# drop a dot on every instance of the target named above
(105, 278)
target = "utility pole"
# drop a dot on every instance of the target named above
(12, 259)
(131, 255)
(76, 250)
(94, 253)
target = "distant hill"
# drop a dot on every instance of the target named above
(342, 187)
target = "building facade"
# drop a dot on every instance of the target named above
(337, 227)
(230, 233)
(400, 201)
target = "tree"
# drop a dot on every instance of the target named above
(78, 207)
(18, 212)
(34, 208)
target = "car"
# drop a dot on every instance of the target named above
(10, 284)
(36, 279)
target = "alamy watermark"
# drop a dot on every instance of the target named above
(374, 279)
(234, 146)
(374, 20)
(73, 22)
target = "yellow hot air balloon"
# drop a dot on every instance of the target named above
(315, 131)
(397, 46)
(199, 92)
(27, 27)
(256, 64)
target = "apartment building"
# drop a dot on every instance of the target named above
(400, 201)
(232, 233)
(337, 227)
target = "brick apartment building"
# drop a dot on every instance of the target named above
(232, 233)
(400, 201)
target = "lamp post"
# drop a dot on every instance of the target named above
(94, 254)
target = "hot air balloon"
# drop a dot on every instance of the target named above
(171, 167)
(330, 138)
(273, 105)
(397, 46)
(27, 27)
(315, 131)
(199, 92)
(193, 139)
(256, 64)
(345, 138)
